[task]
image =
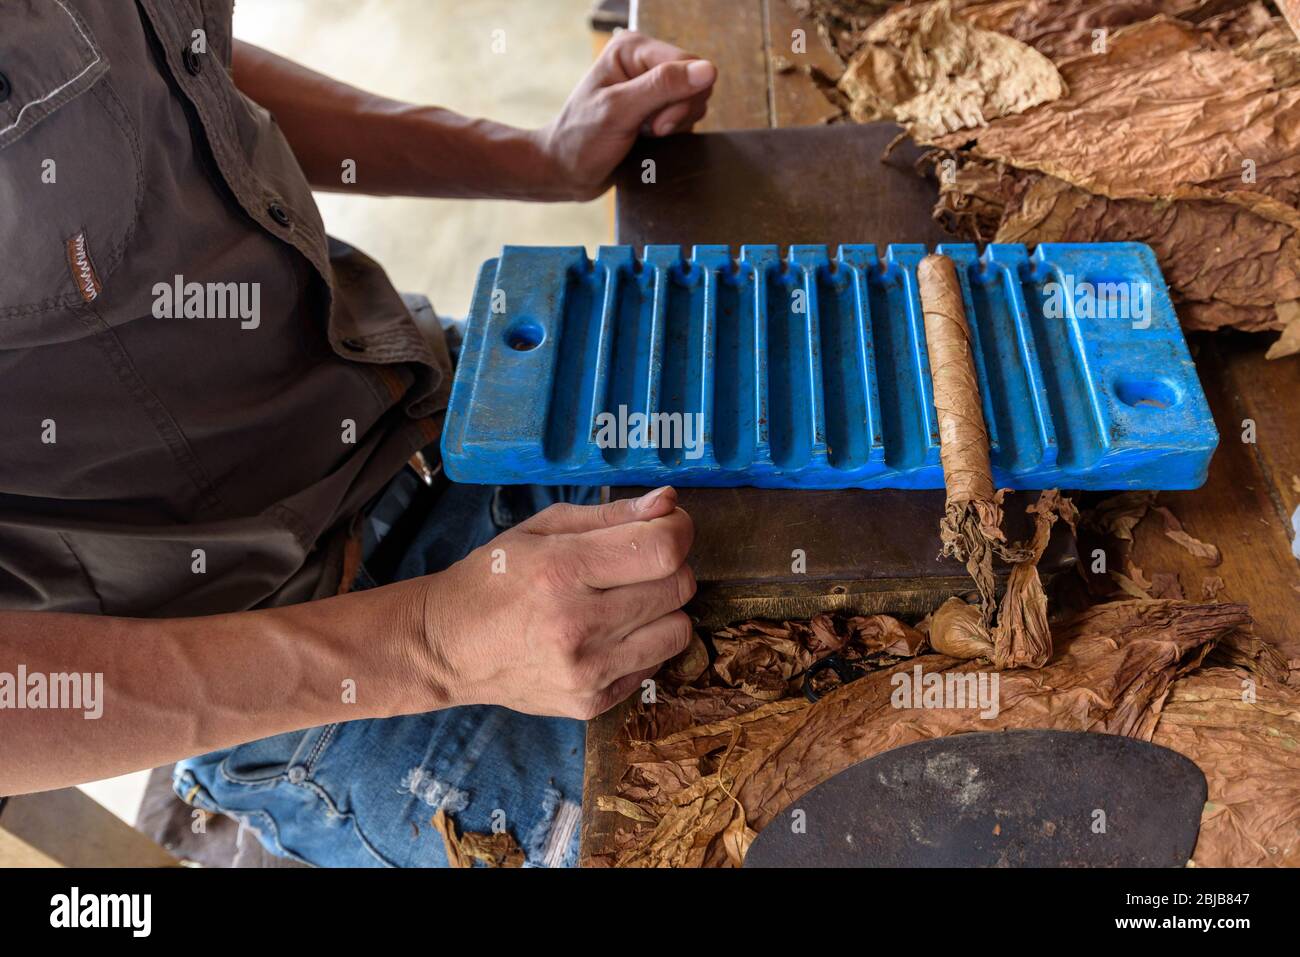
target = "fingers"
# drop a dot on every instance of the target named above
(632, 606)
(631, 553)
(632, 54)
(664, 85)
(678, 118)
(644, 649)
(619, 690)
(562, 519)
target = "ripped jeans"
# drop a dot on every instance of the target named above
(362, 793)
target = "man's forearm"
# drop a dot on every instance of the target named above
(398, 148)
(179, 687)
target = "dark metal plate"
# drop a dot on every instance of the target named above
(998, 799)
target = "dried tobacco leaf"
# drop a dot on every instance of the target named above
(1249, 749)
(956, 630)
(1167, 585)
(1021, 637)
(492, 850)
(1117, 516)
(1207, 553)
(934, 74)
(1186, 110)
(1113, 667)
(689, 664)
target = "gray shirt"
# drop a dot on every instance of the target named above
(198, 390)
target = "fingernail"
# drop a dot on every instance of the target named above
(700, 73)
(663, 127)
(650, 499)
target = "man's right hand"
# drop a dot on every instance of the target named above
(565, 614)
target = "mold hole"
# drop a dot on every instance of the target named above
(524, 335)
(1145, 393)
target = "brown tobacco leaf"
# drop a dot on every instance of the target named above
(1287, 344)
(1241, 649)
(1211, 585)
(493, 850)
(1111, 672)
(957, 631)
(1167, 585)
(842, 22)
(933, 74)
(618, 805)
(692, 662)
(884, 633)
(1249, 749)
(1185, 109)
(1207, 553)
(1118, 515)
(1248, 278)
(1022, 637)
(1061, 30)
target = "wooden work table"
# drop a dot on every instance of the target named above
(1253, 488)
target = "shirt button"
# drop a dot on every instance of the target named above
(297, 774)
(5, 88)
(193, 62)
(356, 345)
(278, 213)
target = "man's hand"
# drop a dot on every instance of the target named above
(567, 613)
(639, 85)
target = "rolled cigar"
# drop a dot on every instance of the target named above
(963, 436)
(971, 530)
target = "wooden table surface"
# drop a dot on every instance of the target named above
(1253, 488)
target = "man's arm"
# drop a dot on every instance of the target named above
(584, 607)
(637, 85)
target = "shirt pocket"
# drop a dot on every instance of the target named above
(70, 168)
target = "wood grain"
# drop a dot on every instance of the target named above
(732, 34)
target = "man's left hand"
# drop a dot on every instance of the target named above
(638, 86)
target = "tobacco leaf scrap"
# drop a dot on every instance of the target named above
(1177, 125)
(1111, 671)
(491, 850)
(1248, 746)
(921, 67)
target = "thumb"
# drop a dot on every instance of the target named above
(642, 96)
(575, 519)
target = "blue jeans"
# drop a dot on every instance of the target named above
(362, 793)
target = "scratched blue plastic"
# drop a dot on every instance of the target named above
(827, 389)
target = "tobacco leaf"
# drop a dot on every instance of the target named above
(1249, 751)
(1110, 673)
(1248, 278)
(1167, 585)
(1117, 516)
(1211, 585)
(618, 805)
(492, 850)
(935, 74)
(956, 630)
(1187, 111)
(1207, 553)
(1021, 637)
(1062, 30)
(884, 633)
(689, 664)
